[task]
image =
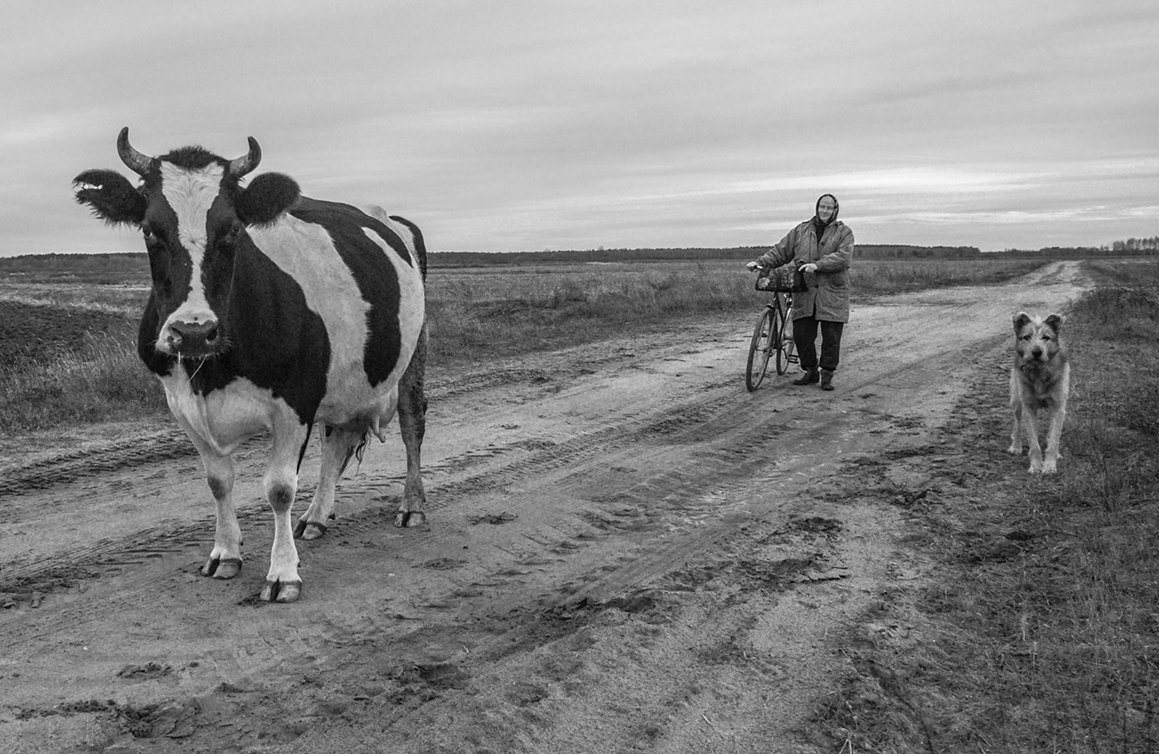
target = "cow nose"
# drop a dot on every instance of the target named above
(193, 338)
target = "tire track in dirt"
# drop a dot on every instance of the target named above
(69, 466)
(72, 465)
(692, 421)
(148, 548)
(517, 630)
(122, 551)
(699, 420)
(714, 443)
(532, 457)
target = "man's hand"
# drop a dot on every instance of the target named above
(752, 266)
(810, 267)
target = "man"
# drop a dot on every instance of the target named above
(822, 249)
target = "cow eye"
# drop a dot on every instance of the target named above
(229, 238)
(150, 236)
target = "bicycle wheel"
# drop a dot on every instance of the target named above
(790, 344)
(783, 327)
(760, 348)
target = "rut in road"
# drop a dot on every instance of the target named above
(711, 419)
(72, 464)
(643, 489)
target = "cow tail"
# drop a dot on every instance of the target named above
(360, 450)
(305, 443)
(420, 245)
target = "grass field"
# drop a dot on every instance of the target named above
(68, 339)
(1038, 627)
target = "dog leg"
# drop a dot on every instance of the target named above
(1053, 438)
(1030, 424)
(1015, 448)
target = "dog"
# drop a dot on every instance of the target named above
(1039, 379)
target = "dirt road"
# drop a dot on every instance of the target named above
(626, 551)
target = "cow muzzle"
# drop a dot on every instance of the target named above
(192, 339)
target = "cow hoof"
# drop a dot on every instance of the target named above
(281, 591)
(223, 568)
(410, 519)
(309, 530)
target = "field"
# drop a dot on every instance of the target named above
(68, 337)
(627, 551)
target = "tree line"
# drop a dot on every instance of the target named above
(135, 265)
(1137, 244)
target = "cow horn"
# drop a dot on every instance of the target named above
(243, 165)
(136, 161)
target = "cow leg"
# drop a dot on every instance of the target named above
(225, 558)
(338, 445)
(412, 423)
(281, 484)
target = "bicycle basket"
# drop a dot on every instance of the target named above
(783, 279)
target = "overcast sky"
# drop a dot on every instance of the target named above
(522, 125)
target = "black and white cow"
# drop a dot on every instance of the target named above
(273, 312)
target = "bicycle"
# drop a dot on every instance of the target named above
(772, 338)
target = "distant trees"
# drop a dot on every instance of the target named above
(902, 251)
(1137, 244)
(67, 264)
(134, 266)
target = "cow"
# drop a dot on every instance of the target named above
(273, 312)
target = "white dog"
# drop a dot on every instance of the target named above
(1039, 379)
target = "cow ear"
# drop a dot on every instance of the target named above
(1020, 319)
(1054, 322)
(110, 196)
(266, 198)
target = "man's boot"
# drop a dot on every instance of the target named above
(826, 379)
(808, 378)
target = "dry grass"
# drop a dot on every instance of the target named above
(102, 379)
(1038, 628)
(474, 314)
(885, 277)
(481, 312)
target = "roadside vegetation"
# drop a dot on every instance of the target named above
(68, 341)
(1036, 628)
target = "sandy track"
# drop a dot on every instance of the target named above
(626, 551)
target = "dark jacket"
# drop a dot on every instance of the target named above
(828, 295)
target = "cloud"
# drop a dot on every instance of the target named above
(597, 122)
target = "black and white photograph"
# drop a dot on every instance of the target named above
(579, 376)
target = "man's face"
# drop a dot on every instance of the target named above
(826, 208)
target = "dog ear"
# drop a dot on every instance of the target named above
(1020, 319)
(1054, 322)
